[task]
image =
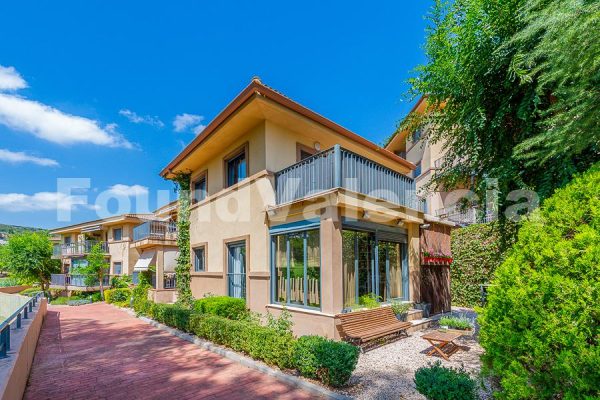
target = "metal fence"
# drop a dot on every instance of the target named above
(75, 280)
(159, 230)
(22, 308)
(341, 168)
(169, 281)
(78, 248)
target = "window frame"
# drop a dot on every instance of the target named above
(273, 279)
(306, 149)
(405, 266)
(203, 176)
(114, 237)
(243, 149)
(195, 258)
(120, 267)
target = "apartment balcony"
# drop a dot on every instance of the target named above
(155, 232)
(75, 282)
(343, 169)
(77, 248)
(465, 216)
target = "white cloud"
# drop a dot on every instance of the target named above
(16, 157)
(126, 190)
(55, 126)
(48, 123)
(135, 118)
(183, 122)
(41, 201)
(10, 79)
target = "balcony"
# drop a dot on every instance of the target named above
(155, 230)
(77, 248)
(464, 216)
(72, 281)
(340, 168)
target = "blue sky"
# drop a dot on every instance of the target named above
(92, 89)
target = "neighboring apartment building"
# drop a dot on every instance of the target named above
(428, 157)
(291, 210)
(131, 242)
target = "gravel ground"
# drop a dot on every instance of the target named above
(387, 372)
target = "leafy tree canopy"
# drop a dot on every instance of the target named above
(513, 89)
(28, 256)
(96, 268)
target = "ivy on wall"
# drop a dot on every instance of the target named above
(182, 270)
(477, 251)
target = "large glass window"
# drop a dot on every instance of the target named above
(117, 268)
(371, 267)
(297, 268)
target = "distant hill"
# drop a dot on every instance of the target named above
(6, 230)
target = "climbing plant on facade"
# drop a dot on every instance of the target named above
(182, 270)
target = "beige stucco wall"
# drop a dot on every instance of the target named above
(14, 370)
(235, 215)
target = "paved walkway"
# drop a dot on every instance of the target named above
(97, 351)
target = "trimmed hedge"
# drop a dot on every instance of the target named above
(119, 296)
(477, 251)
(541, 326)
(259, 342)
(223, 306)
(327, 360)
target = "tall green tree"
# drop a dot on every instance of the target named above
(96, 268)
(512, 89)
(28, 256)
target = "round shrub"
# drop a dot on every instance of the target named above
(327, 360)
(436, 382)
(223, 306)
(117, 295)
(541, 325)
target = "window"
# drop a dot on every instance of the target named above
(117, 234)
(199, 259)
(236, 167)
(117, 268)
(296, 259)
(67, 240)
(303, 152)
(199, 187)
(416, 135)
(417, 170)
(369, 266)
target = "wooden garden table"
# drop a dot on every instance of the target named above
(443, 342)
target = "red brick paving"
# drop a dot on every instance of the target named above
(97, 351)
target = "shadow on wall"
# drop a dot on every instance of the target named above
(119, 356)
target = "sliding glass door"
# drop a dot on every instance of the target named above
(372, 267)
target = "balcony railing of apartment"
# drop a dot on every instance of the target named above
(340, 168)
(465, 216)
(75, 280)
(78, 248)
(158, 230)
(169, 281)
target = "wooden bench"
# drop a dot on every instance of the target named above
(365, 327)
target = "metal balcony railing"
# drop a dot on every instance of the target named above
(75, 280)
(340, 168)
(158, 230)
(78, 248)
